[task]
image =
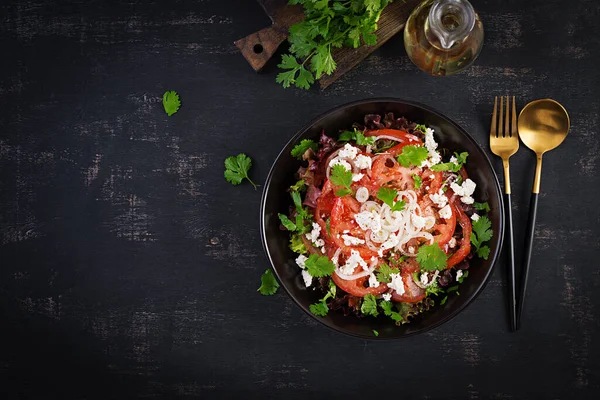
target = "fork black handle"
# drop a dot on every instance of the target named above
(512, 302)
(528, 248)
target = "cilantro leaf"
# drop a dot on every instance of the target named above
(343, 192)
(383, 273)
(285, 221)
(236, 169)
(433, 289)
(357, 136)
(268, 284)
(319, 308)
(297, 245)
(369, 305)
(461, 159)
(375, 333)
(481, 206)
(319, 266)
(418, 181)
(483, 252)
(340, 176)
(452, 289)
(399, 205)
(171, 102)
(412, 155)
(387, 195)
(302, 147)
(443, 300)
(387, 308)
(481, 228)
(431, 257)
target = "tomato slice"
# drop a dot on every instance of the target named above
(342, 222)
(431, 185)
(412, 293)
(357, 287)
(465, 243)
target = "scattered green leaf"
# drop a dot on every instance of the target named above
(463, 277)
(481, 234)
(375, 333)
(236, 169)
(383, 273)
(357, 136)
(285, 221)
(387, 308)
(482, 206)
(268, 284)
(298, 186)
(297, 245)
(171, 102)
(418, 181)
(340, 176)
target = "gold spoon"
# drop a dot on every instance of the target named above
(543, 125)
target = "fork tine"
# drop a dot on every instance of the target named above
(515, 130)
(500, 126)
(494, 122)
(507, 119)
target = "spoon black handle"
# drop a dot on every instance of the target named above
(512, 304)
(526, 261)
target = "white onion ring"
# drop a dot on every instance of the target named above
(368, 241)
(370, 206)
(378, 237)
(335, 257)
(328, 160)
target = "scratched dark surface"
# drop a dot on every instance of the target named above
(129, 266)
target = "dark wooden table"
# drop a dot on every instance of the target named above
(129, 266)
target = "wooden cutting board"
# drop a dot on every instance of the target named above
(260, 46)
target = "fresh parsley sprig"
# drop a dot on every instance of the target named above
(236, 169)
(412, 155)
(388, 196)
(268, 284)
(369, 305)
(340, 176)
(482, 233)
(358, 136)
(431, 257)
(327, 25)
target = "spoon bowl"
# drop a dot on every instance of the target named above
(543, 125)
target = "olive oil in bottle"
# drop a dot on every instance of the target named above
(443, 37)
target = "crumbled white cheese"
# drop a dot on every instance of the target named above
(439, 198)
(453, 160)
(368, 220)
(349, 152)
(319, 243)
(362, 194)
(339, 161)
(300, 260)
(396, 284)
(387, 296)
(362, 162)
(307, 278)
(459, 273)
(373, 282)
(465, 189)
(467, 199)
(431, 145)
(411, 249)
(417, 221)
(452, 243)
(423, 278)
(352, 241)
(357, 177)
(392, 241)
(475, 216)
(432, 176)
(446, 212)
(352, 262)
(314, 234)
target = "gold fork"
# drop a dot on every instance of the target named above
(504, 142)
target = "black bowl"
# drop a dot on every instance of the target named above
(275, 200)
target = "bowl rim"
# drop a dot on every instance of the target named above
(314, 121)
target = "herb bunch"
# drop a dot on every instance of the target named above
(328, 25)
